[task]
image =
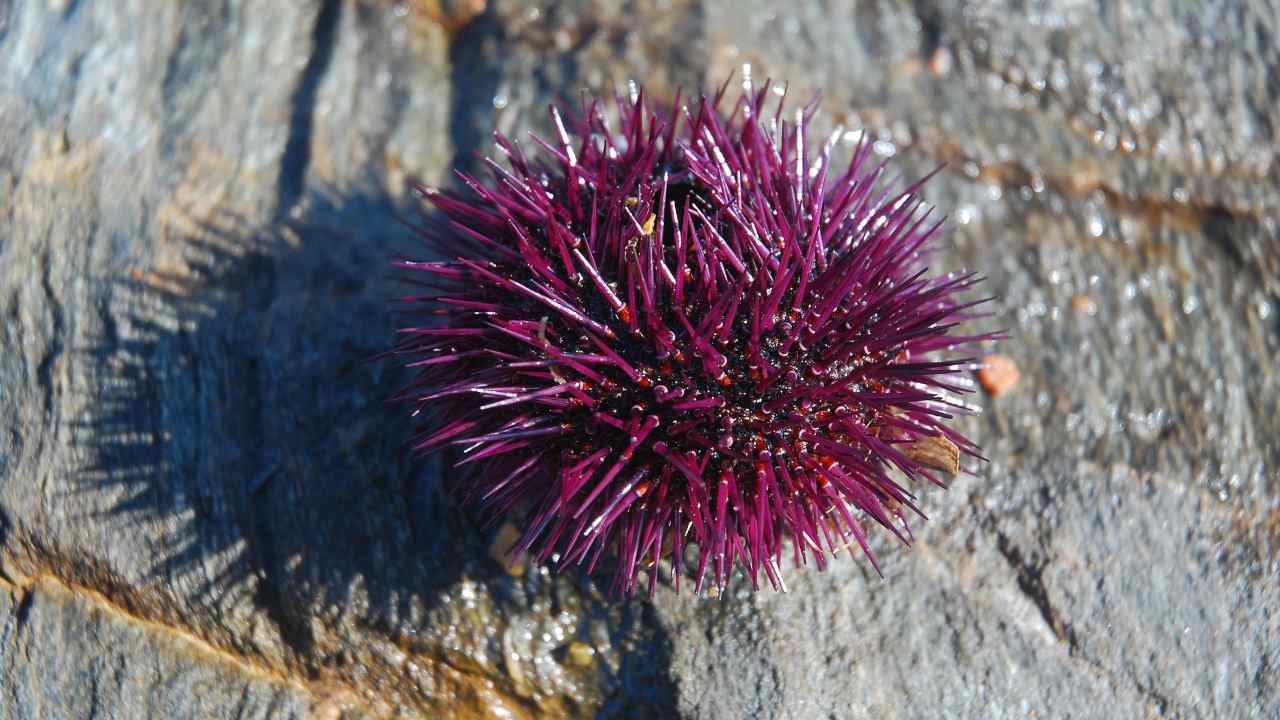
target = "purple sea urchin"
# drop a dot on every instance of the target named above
(686, 332)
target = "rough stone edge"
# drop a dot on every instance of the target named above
(327, 701)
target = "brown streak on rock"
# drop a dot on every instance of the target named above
(1086, 180)
(451, 15)
(465, 691)
(58, 588)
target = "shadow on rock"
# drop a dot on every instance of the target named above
(244, 432)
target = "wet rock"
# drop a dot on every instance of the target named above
(1091, 567)
(201, 205)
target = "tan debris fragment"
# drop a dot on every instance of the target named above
(503, 541)
(936, 453)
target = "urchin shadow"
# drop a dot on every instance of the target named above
(244, 430)
(5, 524)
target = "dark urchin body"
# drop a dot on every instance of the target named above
(685, 332)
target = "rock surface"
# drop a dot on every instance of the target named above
(204, 510)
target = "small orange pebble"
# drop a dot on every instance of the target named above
(1084, 304)
(998, 375)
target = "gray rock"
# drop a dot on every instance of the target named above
(201, 207)
(205, 509)
(64, 653)
(1117, 556)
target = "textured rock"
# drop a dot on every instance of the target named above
(204, 509)
(194, 278)
(66, 653)
(1117, 556)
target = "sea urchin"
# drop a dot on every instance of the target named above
(687, 332)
